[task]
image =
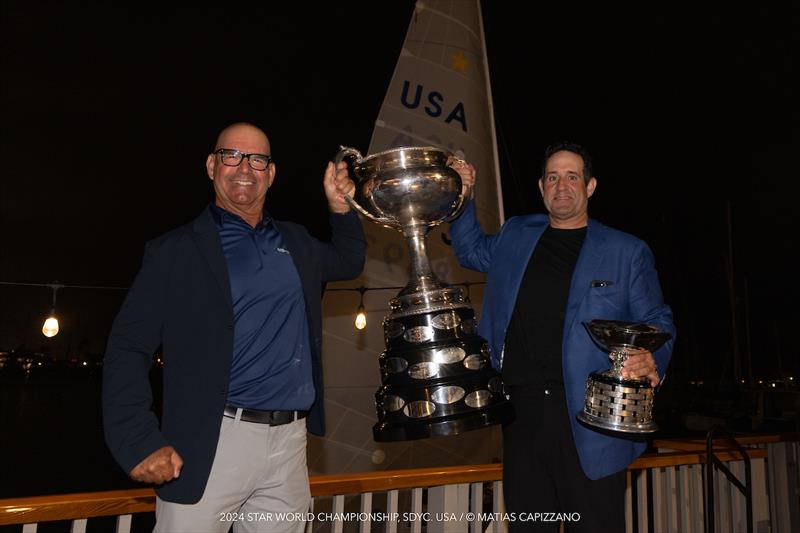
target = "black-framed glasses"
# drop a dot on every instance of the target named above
(233, 158)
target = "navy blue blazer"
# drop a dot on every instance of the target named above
(633, 294)
(181, 301)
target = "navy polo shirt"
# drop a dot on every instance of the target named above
(271, 367)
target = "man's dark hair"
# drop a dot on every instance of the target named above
(575, 148)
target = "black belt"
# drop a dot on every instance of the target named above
(273, 418)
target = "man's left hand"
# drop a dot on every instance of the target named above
(641, 364)
(337, 186)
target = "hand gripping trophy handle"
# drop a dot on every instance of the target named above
(466, 190)
(346, 151)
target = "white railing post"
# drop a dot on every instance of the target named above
(447, 507)
(366, 509)
(392, 510)
(684, 497)
(337, 524)
(498, 508)
(416, 510)
(784, 491)
(641, 503)
(659, 500)
(124, 523)
(476, 505)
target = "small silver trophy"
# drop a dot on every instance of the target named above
(436, 375)
(613, 402)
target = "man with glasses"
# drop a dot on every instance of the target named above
(233, 300)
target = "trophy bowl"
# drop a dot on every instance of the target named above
(437, 378)
(612, 402)
(406, 188)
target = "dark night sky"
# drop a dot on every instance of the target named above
(109, 111)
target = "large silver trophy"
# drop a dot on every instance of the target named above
(613, 402)
(436, 375)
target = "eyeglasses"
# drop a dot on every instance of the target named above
(233, 158)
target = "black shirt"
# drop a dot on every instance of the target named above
(534, 338)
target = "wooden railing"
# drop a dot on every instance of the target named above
(665, 493)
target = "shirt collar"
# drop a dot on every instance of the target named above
(222, 217)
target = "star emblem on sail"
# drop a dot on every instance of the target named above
(459, 62)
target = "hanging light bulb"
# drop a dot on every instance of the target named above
(50, 327)
(361, 316)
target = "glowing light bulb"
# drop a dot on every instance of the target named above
(50, 328)
(361, 318)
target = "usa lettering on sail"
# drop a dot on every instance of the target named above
(435, 104)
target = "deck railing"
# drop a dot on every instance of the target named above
(665, 494)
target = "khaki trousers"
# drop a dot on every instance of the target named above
(258, 482)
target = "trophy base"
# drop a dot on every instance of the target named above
(443, 427)
(436, 374)
(616, 404)
(625, 427)
(450, 404)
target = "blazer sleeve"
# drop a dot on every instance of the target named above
(129, 423)
(343, 257)
(473, 248)
(647, 302)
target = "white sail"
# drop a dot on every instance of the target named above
(439, 96)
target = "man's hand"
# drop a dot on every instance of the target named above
(641, 364)
(337, 186)
(467, 173)
(161, 466)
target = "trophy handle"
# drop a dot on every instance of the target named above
(345, 151)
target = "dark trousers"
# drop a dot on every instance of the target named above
(542, 473)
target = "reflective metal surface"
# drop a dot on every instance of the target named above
(405, 187)
(431, 387)
(613, 402)
(447, 394)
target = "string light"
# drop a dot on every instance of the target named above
(361, 317)
(51, 325)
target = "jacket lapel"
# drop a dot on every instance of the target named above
(589, 261)
(206, 237)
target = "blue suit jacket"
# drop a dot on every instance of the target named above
(181, 301)
(634, 294)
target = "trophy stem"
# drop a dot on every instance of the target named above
(421, 277)
(619, 357)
